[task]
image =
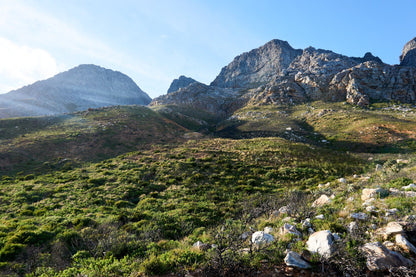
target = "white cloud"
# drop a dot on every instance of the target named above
(21, 65)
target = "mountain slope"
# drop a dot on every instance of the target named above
(80, 88)
(276, 73)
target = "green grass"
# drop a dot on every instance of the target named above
(124, 191)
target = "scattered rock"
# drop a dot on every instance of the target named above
(322, 200)
(320, 216)
(380, 258)
(352, 227)
(391, 228)
(392, 212)
(295, 260)
(359, 216)
(321, 242)
(289, 229)
(379, 167)
(368, 202)
(411, 186)
(268, 230)
(372, 193)
(405, 244)
(245, 235)
(306, 223)
(370, 209)
(342, 180)
(285, 210)
(200, 246)
(260, 238)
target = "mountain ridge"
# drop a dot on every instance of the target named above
(82, 87)
(276, 73)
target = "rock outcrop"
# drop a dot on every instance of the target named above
(181, 82)
(408, 56)
(80, 88)
(276, 73)
(380, 258)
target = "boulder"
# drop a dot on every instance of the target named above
(352, 227)
(411, 186)
(380, 258)
(322, 200)
(321, 242)
(359, 216)
(285, 210)
(289, 229)
(405, 244)
(261, 238)
(293, 259)
(306, 223)
(372, 193)
(392, 228)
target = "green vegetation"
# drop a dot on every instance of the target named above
(124, 191)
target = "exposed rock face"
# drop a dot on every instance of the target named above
(380, 258)
(276, 73)
(181, 82)
(257, 66)
(408, 56)
(80, 88)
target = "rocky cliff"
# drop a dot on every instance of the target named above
(276, 73)
(181, 82)
(80, 88)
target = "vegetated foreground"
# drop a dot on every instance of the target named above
(191, 203)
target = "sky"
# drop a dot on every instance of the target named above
(154, 42)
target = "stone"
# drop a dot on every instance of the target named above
(260, 238)
(306, 223)
(320, 216)
(369, 202)
(408, 56)
(342, 180)
(379, 258)
(321, 242)
(379, 167)
(289, 229)
(322, 200)
(285, 210)
(405, 244)
(352, 227)
(368, 193)
(410, 186)
(200, 246)
(293, 259)
(245, 235)
(370, 209)
(389, 245)
(392, 212)
(268, 230)
(359, 216)
(392, 228)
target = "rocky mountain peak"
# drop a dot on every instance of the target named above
(179, 83)
(408, 56)
(257, 66)
(85, 86)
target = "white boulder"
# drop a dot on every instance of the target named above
(321, 242)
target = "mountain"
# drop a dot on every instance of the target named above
(276, 73)
(181, 82)
(80, 88)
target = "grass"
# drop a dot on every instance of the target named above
(125, 191)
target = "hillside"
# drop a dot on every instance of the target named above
(80, 88)
(79, 207)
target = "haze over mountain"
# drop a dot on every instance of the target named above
(80, 88)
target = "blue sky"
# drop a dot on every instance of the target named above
(156, 41)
